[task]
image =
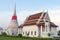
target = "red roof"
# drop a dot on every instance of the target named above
(40, 24)
(21, 26)
(53, 25)
(33, 19)
(36, 16)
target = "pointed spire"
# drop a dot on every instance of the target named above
(13, 24)
(14, 10)
(14, 17)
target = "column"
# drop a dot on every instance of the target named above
(41, 30)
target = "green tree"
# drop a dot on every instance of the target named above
(59, 33)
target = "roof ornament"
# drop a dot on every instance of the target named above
(40, 17)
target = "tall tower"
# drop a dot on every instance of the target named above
(13, 26)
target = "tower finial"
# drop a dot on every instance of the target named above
(15, 10)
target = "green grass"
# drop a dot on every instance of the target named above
(24, 38)
(13, 38)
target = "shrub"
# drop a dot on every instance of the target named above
(20, 35)
(59, 33)
(4, 34)
(49, 34)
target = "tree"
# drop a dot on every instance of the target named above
(59, 33)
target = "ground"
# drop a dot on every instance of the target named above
(24, 38)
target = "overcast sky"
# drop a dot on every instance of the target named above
(25, 8)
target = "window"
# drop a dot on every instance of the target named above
(35, 32)
(12, 33)
(31, 33)
(23, 32)
(28, 33)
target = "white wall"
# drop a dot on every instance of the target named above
(12, 30)
(46, 30)
(35, 28)
(54, 31)
(32, 28)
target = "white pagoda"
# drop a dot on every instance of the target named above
(13, 26)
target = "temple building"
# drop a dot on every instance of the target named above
(38, 25)
(13, 26)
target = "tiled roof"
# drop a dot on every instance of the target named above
(21, 26)
(53, 25)
(41, 24)
(33, 19)
(36, 16)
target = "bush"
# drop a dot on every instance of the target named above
(59, 33)
(49, 34)
(4, 34)
(20, 35)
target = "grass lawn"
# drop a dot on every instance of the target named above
(13, 38)
(24, 38)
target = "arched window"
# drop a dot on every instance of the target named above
(35, 32)
(12, 33)
(31, 33)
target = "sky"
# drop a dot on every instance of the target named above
(25, 8)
